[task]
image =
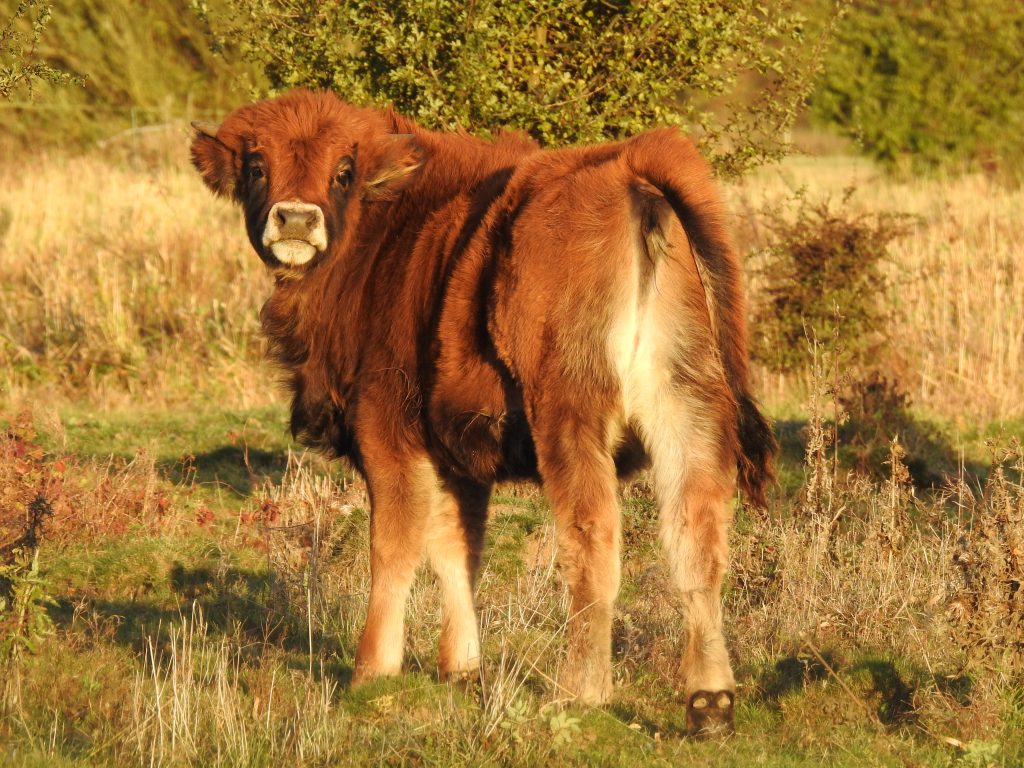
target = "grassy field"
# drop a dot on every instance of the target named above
(203, 582)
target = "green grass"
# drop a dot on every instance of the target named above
(215, 457)
(123, 603)
(169, 433)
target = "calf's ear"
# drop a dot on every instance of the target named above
(401, 157)
(214, 160)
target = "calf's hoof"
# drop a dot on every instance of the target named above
(361, 677)
(466, 680)
(366, 673)
(589, 690)
(709, 714)
(597, 694)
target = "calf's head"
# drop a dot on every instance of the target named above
(305, 167)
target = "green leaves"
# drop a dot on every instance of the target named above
(564, 728)
(23, 614)
(20, 67)
(564, 71)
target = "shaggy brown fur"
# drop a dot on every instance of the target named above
(487, 310)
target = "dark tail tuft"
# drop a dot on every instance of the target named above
(758, 448)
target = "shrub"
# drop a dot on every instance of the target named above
(20, 65)
(823, 279)
(562, 71)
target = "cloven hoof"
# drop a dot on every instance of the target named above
(709, 713)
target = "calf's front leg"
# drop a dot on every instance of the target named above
(401, 498)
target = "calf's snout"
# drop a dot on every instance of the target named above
(295, 231)
(297, 218)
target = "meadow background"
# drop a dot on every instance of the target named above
(181, 585)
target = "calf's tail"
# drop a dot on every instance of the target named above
(672, 164)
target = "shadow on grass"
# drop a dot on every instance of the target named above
(233, 602)
(789, 674)
(204, 444)
(877, 684)
(932, 456)
(895, 698)
(671, 720)
(958, 687)
(241, 469)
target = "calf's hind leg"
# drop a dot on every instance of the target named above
(690, 442)
(693, 532)
(579, 479)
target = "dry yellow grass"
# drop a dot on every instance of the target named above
(117, 280)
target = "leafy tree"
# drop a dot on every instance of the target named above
(928, 83)
(138, 62)
(565, 71)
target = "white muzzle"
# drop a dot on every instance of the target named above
(295, 232)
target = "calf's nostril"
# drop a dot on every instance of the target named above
(295, 221)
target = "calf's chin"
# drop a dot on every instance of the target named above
(293, 253)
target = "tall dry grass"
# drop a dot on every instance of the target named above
(116, 279)
(195, 701)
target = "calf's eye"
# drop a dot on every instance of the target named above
(255, 173)
(343, 178)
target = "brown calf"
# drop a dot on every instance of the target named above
(453, 312)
